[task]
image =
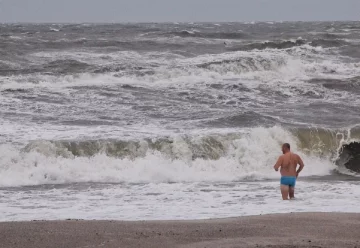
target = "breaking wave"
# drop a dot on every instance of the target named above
(246, 155)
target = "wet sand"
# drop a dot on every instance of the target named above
(280, 230)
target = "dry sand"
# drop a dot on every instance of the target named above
(281, 230)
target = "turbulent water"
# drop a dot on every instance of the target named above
(117, 120)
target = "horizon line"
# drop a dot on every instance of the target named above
(170, 22)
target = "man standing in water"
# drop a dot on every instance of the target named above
(288, 163)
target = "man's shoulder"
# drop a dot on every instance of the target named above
(296, 155)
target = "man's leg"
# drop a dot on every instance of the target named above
(292, 192)
(284, 192)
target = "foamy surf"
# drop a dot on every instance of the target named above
(174, 201)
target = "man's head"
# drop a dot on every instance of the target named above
(285, 148)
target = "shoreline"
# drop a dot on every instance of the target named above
(276, 230)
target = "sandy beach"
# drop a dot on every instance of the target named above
(280, 230)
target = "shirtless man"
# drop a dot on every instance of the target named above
(288, 163)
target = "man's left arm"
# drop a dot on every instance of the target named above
(301, 163)
(278, 164)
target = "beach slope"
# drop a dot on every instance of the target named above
(280, 230)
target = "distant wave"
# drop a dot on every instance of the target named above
(269, 45)
(288, 44)
(350, 84)
(66, 66)
(245, 64)
(247, 119)
(212, 35)
(60, 66)
(328, 42)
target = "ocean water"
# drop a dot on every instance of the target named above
(176, 120)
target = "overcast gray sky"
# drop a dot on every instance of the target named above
(176, 10)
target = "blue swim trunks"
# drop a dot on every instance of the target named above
(288, 181)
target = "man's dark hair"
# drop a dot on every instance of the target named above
(287, 145)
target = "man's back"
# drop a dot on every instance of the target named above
(289, 162)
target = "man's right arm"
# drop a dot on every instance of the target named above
(301, 163)
(278, 164)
